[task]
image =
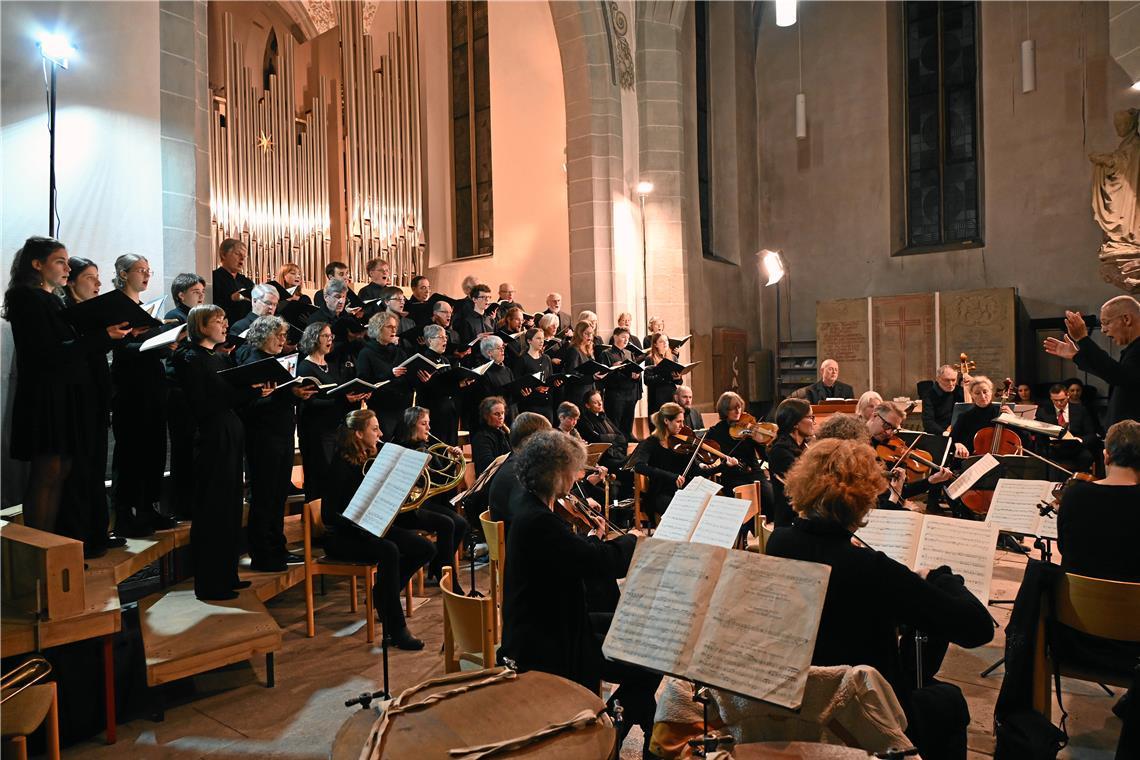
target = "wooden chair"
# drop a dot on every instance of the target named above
(751, 492)
(494, 532)
(640, 486)
(25, 712)
(316, 563)
(1097, 607)
(468, 635)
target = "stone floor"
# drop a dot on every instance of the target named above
(230, 714)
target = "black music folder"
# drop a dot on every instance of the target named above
(255, 373)
(111, 308)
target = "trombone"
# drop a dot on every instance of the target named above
(27, 673)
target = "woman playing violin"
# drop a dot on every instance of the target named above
(795, 426)
(658, 462)
(742, 443)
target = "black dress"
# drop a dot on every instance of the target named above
(486, 445)
(661, 466)
(52, 412)
(438, 396)
(622, 392)
(181, 428)
(317, 422)
(270, 422)
(138, 419)
(970, 422)
(746, 452)
(547, 625)
(782, 454)
(539, 403)
(869, 595)
(374, 364)
(398, 554)
(215, 534)
(573, 390)
(660, 386)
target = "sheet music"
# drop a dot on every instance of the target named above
(154, 308)
(894, 532)
(720, 524)
(760, 628)
(681, 516)
(972, 475)
(385, 486)
(966, 546)
(289, 363)
(1014, 505)
(702, 486)
(164, 338)
(666, 591)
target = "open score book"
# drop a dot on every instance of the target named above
(739, 621)
(698, 516)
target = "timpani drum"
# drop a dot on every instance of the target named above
(487, 714)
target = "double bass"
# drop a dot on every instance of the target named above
(997, 440)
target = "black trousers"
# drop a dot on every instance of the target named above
(398, 555)
(637, 687)
(182, 428)
(316, 457)
(215, 533)
(139, 460)
(449, 528)
(269, 461)
(83, 513)
(620, 409)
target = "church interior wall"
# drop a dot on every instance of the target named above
(831, 202)
(528, 144)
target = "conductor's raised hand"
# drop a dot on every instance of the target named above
(1065, 348)
(1075, 324)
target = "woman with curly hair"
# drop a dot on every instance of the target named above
(832, 487)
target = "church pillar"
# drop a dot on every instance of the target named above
(661, 159)
(593, 155)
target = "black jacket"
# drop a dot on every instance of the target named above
(546, 626)
(869, 595)
(817, 391)
(225, 285)
(487, 444)
(938, 408)
(598, 428)
(1123, 376)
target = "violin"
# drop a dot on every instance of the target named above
(570, 509)
(685, 442)
(748, 427)
(897, 453)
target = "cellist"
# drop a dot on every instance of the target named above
(977, 418)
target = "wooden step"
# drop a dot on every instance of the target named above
(268, 585)
(183, 636)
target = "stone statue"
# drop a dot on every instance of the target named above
(1116, 204)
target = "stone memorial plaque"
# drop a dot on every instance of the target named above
(841, 334)
(902, 328)
(982, 324)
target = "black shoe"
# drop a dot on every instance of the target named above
(294, 559)
(268, 567)
(403, 639)
(431, 581)
(242, 584)
(94, 551)
(218, 596)
(131, 526)
(159, 521)
(116, 542)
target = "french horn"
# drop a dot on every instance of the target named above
(444, 471)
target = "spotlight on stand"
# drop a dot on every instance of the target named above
(772, 264)
(58, 51)
(55, 48)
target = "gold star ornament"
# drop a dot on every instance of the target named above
(265, 142)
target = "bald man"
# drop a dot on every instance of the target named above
(828, 385)
(1120, 321)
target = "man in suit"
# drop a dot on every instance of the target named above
(683, 397)
(554, 306)
(828, 385)
(1120, 321)
(1077, 420)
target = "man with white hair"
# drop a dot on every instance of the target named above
(554, 306)
(263, 301)
(828, 385)
(1120, 321)
(938, 401)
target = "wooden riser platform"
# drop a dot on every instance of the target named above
(183, 636)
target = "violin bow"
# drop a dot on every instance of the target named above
(902, 458)
(693, 458)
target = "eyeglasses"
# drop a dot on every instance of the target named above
(143, 272)
(887, 425)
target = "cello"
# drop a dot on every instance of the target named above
(997, 440)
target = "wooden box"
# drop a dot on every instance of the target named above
(42, 573)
